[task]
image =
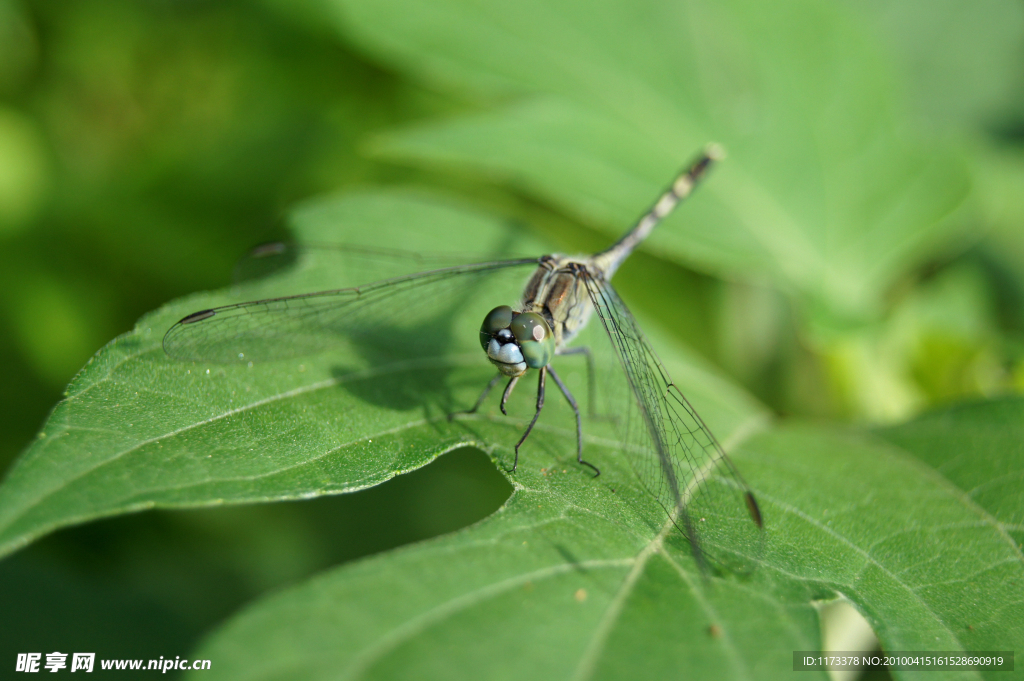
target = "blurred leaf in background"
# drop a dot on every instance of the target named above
(828, 192)
(959, 61)
(835, 194)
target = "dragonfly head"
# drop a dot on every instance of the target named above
(516, 341)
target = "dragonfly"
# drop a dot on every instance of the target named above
(669, 447)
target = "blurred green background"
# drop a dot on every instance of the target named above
(144, 146)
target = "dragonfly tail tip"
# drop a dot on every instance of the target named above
(714, 151)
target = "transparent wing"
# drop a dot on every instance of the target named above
(411, 315)
(351, 264)
(668, 445)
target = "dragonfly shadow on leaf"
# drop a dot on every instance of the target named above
(401, 369)
(411, 353)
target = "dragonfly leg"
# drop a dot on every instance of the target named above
(585, 351)
(536, 414)
(579, 423)
(483, 395)
(479, 400)
(508, 391)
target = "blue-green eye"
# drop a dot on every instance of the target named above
(529, 326)
(535, 339)
(497, 319)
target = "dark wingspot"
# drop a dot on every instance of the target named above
(755, 511)
(197, 316)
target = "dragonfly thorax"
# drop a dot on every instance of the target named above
(516, 341)
(557, 291)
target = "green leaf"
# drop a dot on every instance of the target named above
(979, 449)
(563, 585)
(827, 191)
(139, 430)
(960, 61)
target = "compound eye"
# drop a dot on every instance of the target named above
(530, 326)
(535, 339)
(497, 319)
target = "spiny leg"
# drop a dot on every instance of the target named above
(536, 414)
(579, 423)
(591, 398)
